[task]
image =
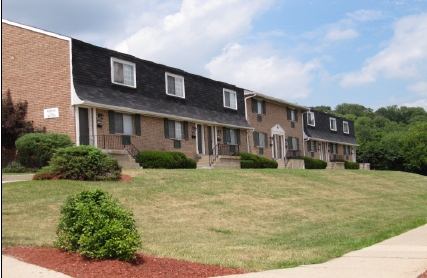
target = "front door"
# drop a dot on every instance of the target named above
(83, 126)
(278, 146)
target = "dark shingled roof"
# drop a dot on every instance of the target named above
(203, 97)
(321, 131)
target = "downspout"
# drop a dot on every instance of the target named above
(246, 117)
(304, 139)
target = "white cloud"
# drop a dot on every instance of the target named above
(365, 15)
(195, 33)
(405, 57)
(419, 103)
(335, 35)
(249, 67)
(420, 88)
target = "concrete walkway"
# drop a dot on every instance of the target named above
(403, 256)
(20, 177)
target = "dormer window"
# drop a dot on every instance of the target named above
(310, 119)
(230, 99)
(123, 73)
(333, 124)
(345, 128)
(175, 85)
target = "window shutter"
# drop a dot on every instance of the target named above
(186, 130)
(238, 136)
(309, 146)
(264, 111)
(224, 132)
(138, 124)
(297, 139)
(288, 113)
(266, 141)
(296, 115)
(254, 105)
(315, 146)
(290, 143)
(111, 121)
(167, 128)
(256, 139)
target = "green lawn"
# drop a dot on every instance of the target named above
(248, 219)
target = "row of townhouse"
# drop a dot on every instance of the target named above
(116, 101)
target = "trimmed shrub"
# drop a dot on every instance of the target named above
(248, 160)
(164, 160)
(36, 149)
(351, 165)
(312, 163)
(81, 163)
(95, 224)
(14, 167)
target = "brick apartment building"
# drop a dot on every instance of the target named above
(116, 101)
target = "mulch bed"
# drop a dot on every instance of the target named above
(74, 265)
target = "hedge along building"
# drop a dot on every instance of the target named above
(114, 101)
(278, 128)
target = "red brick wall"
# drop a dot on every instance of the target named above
(276, 114)
(153, 136)
(36, 68)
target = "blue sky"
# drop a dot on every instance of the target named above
(369, 52)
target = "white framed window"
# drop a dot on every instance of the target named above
(346, 150)
(310, 119)
(230, 99)
(175, 129)
(260, 139)
(175, 85)
(293, 143)
(123, 73)
(311, 146)
(333, 124)
(291, 114)
(123, 123)
(334, 148)
(345, 127)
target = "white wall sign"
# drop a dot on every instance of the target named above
(51, 113)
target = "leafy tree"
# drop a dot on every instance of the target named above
(13, 123)
(414, 148)
(323, 108)
(353, 109)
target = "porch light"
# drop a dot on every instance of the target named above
(99, 124)
(101, 116)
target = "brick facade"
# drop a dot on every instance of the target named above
(275, 117)
(36, 68)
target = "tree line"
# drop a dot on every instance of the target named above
(390, 138)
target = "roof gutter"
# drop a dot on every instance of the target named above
(159, 115)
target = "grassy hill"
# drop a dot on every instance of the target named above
(249, 219)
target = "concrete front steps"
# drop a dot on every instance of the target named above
(335, 166)
(124, 158)
(222, 162)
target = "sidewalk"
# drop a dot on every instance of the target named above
(17, 177)
(403, 256)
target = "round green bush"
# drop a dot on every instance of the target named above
(256, 161)
(36, 149)
(81, 163)
(312, 163)
(96, 225)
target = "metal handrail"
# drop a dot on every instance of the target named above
(222, 149)
(113, 142)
